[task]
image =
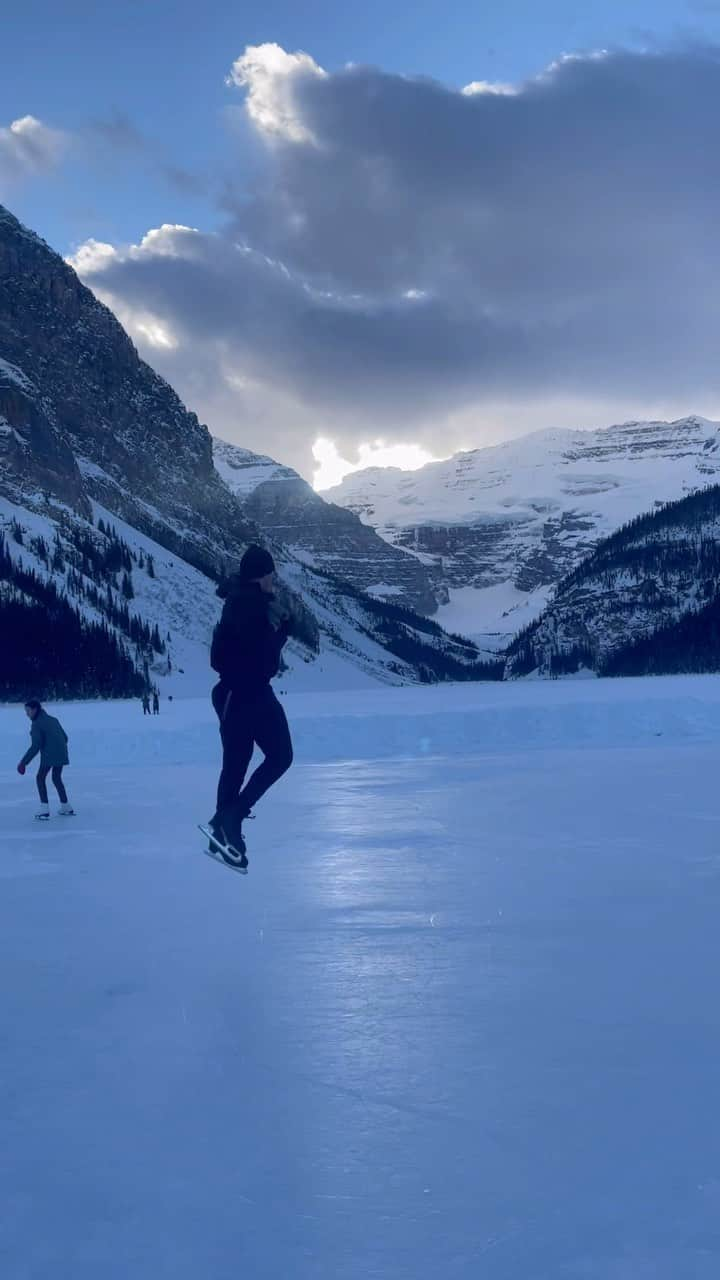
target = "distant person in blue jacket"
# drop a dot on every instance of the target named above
(49, 740)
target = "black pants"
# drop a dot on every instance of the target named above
(42, 774)
(246, 721)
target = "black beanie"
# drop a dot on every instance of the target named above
(256, 563)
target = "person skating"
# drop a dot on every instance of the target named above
(146, 705)
(50, 741)
(156, 703)
(245, 653)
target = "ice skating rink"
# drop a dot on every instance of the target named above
(459, 1021)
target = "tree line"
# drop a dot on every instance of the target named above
(49, 649)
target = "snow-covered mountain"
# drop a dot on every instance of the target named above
(321, 534)
(504, 524)
(89, 433)
(646, 600)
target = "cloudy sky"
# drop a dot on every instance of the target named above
(425, 224)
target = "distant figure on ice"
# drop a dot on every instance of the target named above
(156, 703)
(146, 704)
(49, 739)
(246, 650)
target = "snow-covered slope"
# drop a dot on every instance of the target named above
(243, 471)
(646, 600)
(517, 516)
(182, 603)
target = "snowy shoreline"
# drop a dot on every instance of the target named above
(405, 723)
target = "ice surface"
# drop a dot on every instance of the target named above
(459, 1021)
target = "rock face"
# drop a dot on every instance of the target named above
(321, 533)
(89, 418)
(525, 513)
(30, 442)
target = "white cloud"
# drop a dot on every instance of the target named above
(155, 333)
(92, 257)
(488, 86)
(28, 147)
(171, 240)
(270, 76)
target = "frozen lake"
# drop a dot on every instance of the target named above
(459, 1021)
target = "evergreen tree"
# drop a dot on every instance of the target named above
(58, 560)
(49, 648)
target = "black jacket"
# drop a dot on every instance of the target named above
(49, 738)
(246, 646)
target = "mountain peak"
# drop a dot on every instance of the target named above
(505, 522)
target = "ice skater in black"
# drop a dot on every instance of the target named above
(245, 653)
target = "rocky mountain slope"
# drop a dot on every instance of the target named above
(91, 437)
(504, 524)
(86, 418)
(647, 599)
(320, 533)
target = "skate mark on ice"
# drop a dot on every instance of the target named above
(123, 988)
(381, 1100)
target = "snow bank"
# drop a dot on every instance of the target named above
(383, 723)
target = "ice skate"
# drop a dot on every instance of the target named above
(43, 813)
(231, 851)
(66, 811)
(231, 826)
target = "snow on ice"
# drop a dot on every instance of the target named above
(459, 1020)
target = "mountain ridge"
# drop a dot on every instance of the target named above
(322, 534)
(522, 514)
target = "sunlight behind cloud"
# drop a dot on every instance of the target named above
(270, 74)
(332, 467)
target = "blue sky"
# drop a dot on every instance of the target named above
(160, 65)
(375, 254)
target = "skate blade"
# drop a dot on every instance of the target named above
(216, 855)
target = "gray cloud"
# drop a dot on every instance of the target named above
(416, 255)
(184, 180)
(119, 132)
(118, 137)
